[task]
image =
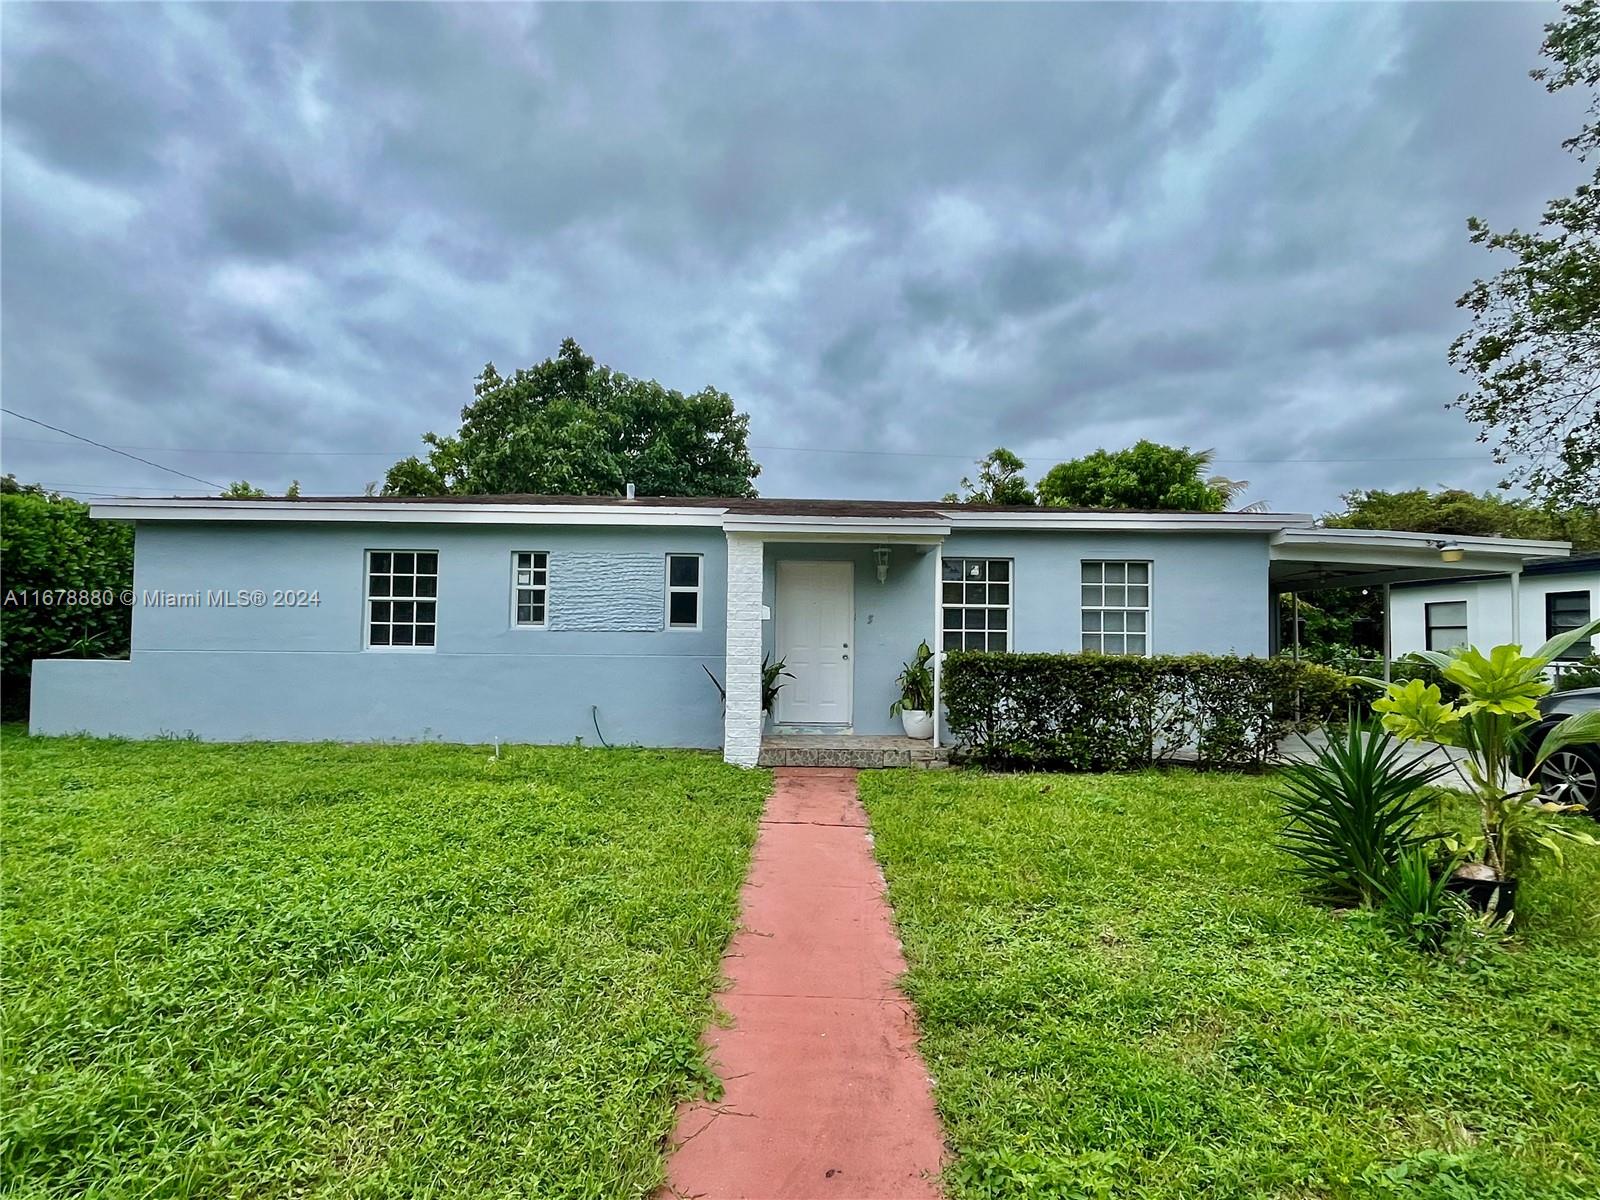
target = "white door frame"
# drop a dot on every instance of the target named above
(850, 626)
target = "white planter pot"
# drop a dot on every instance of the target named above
(918, 724)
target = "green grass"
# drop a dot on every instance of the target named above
(1123, 994)
(274, 970)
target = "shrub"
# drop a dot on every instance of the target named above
(1417, 900)
(49, 544)
(1353, 811)
(1097, 712)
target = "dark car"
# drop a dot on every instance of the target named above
(1572, 773)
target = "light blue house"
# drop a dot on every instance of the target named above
(548, 619)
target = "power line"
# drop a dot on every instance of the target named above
(90, 441)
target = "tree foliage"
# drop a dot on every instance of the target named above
(571, 427)
(1532, 353)
(48, 544)
(1000, 481)
(1467, 514)
(1146, 475)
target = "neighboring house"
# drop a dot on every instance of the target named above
(1489, 610)
(548, 619)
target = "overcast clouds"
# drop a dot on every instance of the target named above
(922, 230)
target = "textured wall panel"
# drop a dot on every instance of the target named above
(608, 593)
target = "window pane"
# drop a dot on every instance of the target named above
(379, 586)
(403, 584)
(975, 593)
(425, 611)
(538, 613)
(401, 635)
(683, 570)
(684, 608)
(378, 635)
(427, 563)
(380, 560)
(380, 610)
(1092, 597)
(524, 562)
(999, 593)
(975, 568)
(952, 593)
(1136, 621)
(952, 618)
(1116, 595)
(997, 641)
(1113, 622)
(1091, 573)
(404, 610)
(524, 614)
(999, 570)
(952, 568)
(1091, 641)
(424, 635)
(997, 618)
(1116, 572)
(1139, 572)
(427, 585)
(404, 562)
(1091, 622)
(524, 578)
(541, 561)
(1453, 612)
(1135, 643)
(1112, 642)
(1138, 596)
(952, 641)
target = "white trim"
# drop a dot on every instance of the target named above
(544, 588)
(938, 635)
(368, 600)
(380, 513)
(1009, 607)
(1148, 608)
(699, 590)
(800, 528)
(1394, 539)
(1046, 518)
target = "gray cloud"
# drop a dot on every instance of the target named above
(918, 230)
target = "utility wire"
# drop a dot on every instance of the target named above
(80, 438)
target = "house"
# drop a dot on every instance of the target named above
(1488, 610)
(550, 618)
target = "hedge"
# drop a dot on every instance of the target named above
(1098, 712)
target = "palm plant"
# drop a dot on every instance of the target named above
(916, 683)
(1491, 722)
(771, 673)
(1353, 812)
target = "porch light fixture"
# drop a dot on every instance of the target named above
(881, 556)
(1450, 552)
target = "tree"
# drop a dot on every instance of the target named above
(1147, 475)
(1467, 514)
(243, 489)
(48, 545)
(570, 427)
(1000, 481)
(1532, 353)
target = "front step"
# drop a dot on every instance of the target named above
(864, 752)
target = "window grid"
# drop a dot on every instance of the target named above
(402, 599)
(530, 588)
(976, 601)
(1446, 624)
(1566, 611)
(1116, 606)
(683, 591)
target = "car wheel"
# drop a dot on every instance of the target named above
(1572, 776)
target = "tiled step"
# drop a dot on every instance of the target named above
(864, 752)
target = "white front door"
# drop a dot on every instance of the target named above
(816, 614)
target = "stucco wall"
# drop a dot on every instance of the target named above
(302, 674)
(1488, 608)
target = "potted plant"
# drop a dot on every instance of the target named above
(915, 706)
(1490, 722)
(771, 673)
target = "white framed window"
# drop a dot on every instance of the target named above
(684, 581)
(1445, 624)
(976, 597)
(1116, 607)
(530, 589)
(402, 599)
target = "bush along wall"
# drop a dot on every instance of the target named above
(1097, 712)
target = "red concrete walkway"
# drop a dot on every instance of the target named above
(826, 1095)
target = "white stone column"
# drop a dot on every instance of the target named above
(741, 728)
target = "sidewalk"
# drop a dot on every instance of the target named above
(826, 1094)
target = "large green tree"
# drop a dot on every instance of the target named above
(1468, 514)
(571, 427)
(1000, 481)
(1532, 354)
(1146, 475)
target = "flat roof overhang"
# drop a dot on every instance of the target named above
(1308, 560)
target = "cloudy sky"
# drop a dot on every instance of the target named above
(278, 242)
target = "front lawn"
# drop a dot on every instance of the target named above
(274, 970)
(1123, 994)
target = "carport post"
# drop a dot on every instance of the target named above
(938, 632)
(1516, 606)
(1294, 609)
(1388, 641)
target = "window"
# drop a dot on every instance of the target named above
(977, 603)
(530, 587)
(1446, 624)
(1116, 607)
(1564, 611)
(683, 591)
(402, 598)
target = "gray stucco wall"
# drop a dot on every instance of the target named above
(301, 673)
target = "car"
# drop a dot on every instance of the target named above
(1572, 773)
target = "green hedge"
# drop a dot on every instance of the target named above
(48, 544)
(1097, 712)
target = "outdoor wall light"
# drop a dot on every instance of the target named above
(881, 555)
(1450, 552)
